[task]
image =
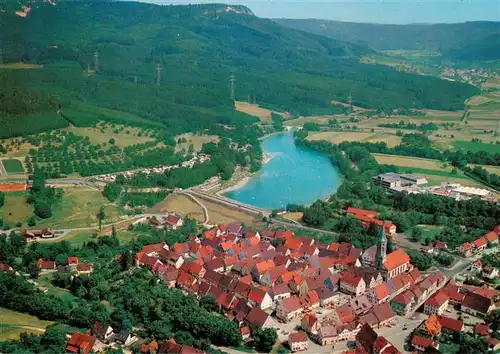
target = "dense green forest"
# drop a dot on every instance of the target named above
(198, 48)
(480, 37)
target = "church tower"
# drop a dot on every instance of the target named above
(381, 248)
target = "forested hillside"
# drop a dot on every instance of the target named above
(446, 38)
(198, 48)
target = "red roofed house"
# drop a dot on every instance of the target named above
(379, 293)
(288, 309)
(490, 272)
(477, 305)
(421, 344)
(368, 213)
(261, 268)
(492, 238)
(384, 313)
(6, 268)
(451, 323)
(80, 343)
(465, 250)
(440, 245)
(46, 265)
(173, 222)
(258, 319)
(395, 263)
(310, 323)
(476, 266)
(149, 348)
(403, 303)
(479, 244)
(84, 269)
(481, 329)
(352, 284)
(298, 341)
(72, 261)
(259, 297)
(43, 233)
(436, 304)
(380, 344)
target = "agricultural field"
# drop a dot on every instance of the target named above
(297, 122)
(13, 166)
(296, 216)
(490, 169)
(477, 146)
(13, 323)
(15, 209)
(414, 162)
(196, 140)
(338, 137)
(78, 208)
(435, 171)
(78, 238)
(181, 204)
(220, 214)
(263, 114)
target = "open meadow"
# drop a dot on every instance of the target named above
(196, 140)
(15, 209)
(181, 204)
(78, 208)
(20, 66)
(13, 323)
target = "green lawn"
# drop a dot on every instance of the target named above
(15, 208)
(475, 147)
(45, 281)
(13, 323)
(450, 348)
(13, 166)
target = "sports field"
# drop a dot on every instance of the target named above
(13, 166)
(13, 323)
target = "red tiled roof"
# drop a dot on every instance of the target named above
(6, 268)
(146, 348)
(396, 259)
(291, 304)
(157, 247)
(72, 260)
(80, 343)
(368, 213)
(450, 323)
(256, 317)
(390, 350)
(381, 291)
(383, 312)
(263, 266)
(480, 242)
(437, 299)
(172, 219)
(380, 343)
(84, 267)
(296, 337)
(256, 295)
(46, 264)
(350, 278)
(482, 329)
(422, 342)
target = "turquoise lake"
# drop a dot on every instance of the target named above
(294, 175)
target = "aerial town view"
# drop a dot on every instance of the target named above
(249, 177)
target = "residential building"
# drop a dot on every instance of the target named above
(492, 238)
(298, 341)
(465, 250)
(490, 272)
(352, 284)
(289, 308)
(80, 343)
(436, 304)
(260, 297)
(451, 324)
(366, 337)
(258, 319)
(479, 244)
(421, 343)
(477, 305)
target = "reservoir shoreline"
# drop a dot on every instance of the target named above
(294, 174)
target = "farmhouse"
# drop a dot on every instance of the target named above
(81, 343)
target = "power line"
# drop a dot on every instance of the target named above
(232, 79)
(96, 61)
(158, 74)
(349, 100)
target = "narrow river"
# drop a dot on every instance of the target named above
(294, 175)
